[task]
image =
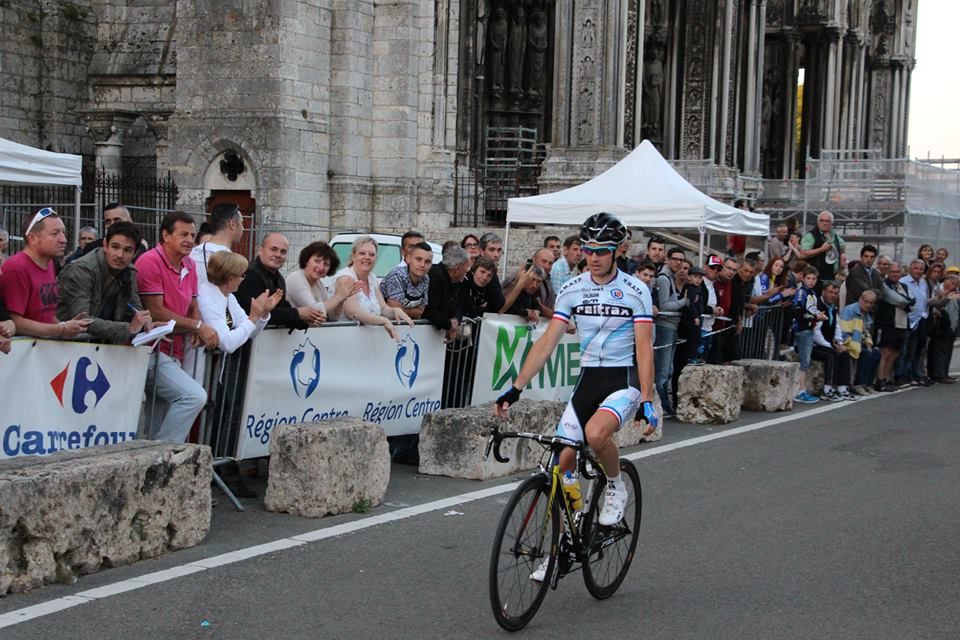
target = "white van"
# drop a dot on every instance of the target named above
(388, 250)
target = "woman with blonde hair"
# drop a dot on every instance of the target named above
(219, 307)
(367, 305)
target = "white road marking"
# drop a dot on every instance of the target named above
(92, 595)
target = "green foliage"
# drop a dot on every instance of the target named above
(73, 11)
(363, 505)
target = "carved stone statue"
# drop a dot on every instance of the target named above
(498, 50)
(515, 50)
(480, 35)
(652, 105)
(537, 43)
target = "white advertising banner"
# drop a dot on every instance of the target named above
(502, 349)
(58, 395)
(322, 373)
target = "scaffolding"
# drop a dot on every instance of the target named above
(894, 204)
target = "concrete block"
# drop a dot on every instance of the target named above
(75, 512)
(769, 385)
(710, 394)
(452, 441)
(321, 468)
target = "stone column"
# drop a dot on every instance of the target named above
(750, 106)
(588, 105)
(107, 130)
(830, 102)
(726, 86)
(792, 43)
(161, 132)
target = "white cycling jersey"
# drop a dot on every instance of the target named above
(605, 317)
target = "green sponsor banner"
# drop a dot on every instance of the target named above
(504, 344)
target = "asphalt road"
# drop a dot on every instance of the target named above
(838, 525)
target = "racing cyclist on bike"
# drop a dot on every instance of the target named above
(614, 314)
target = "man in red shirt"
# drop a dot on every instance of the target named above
(167, 285)
(29, 281)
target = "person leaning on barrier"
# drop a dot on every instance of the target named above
(910, 364)
(167, 284)
(407, 241)
(474, 298)
(219, 307)
(491, 246)
(668, 304)
(856, 323)
(7, 328)
(367, 306)
(264, 275)
(542, 258)
(471, 244)
(523, 298)
(444, 308)
(29, 281)
(103, 286)
(305, 286)
(407, 285)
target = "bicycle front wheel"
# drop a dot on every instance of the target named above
(526, 537)
(610, 550)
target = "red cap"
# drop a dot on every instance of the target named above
(714, 261)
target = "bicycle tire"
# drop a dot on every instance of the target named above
(522, 542)
(610, 550)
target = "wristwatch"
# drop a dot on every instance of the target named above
(199, 324)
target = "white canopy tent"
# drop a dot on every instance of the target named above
(643, 190)
(23, 165)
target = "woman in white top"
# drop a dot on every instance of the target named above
(367, 305)
(219, 307)
(305, 288)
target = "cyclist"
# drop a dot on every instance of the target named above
(615, 324)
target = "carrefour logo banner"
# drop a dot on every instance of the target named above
(68, 395)
(322, 373)
(504, 343)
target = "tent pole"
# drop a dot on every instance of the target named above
(702, 232)
(506, 243)
(76, 214)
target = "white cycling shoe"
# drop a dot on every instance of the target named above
(614, 502)
(541, 572)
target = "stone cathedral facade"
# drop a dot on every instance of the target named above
(359, 113)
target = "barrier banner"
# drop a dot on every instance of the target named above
(57, 395)
(502, 349)
(322, 373)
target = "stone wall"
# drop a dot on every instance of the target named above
(45, 51)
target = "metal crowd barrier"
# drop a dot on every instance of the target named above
(761, 340)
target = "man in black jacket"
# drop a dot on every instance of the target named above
(444, 307)
(863, 275)
(264, 275)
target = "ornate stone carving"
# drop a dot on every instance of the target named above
(538, 41)
(586, 80)
(651, 112)
(694, 81)
(630, 97)
(516, 48)
(498, 51)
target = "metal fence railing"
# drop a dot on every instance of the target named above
(761, 339)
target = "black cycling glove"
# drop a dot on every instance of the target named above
(510, 396)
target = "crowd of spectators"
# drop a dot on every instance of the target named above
(875, 324)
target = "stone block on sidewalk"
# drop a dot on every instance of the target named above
(452, 441)
(75, 512)
(327, 467)
(710, 394)
(769, 385)
(630, 433)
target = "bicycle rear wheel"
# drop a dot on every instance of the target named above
(610, 549)
(526, 536)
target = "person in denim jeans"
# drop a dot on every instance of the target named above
(806, 315)
(666, 324)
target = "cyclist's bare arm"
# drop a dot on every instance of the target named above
(643, 335)
(537, 357)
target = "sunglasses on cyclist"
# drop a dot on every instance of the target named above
(46, 212)
(600, 251)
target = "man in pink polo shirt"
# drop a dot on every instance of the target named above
(167, 285)
(29, 281)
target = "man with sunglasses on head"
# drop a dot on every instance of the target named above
(29, 281)
(226, 225)
(614, 320)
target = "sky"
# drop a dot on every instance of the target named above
(934, 125)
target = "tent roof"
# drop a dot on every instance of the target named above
(20, 164)
(643, 190)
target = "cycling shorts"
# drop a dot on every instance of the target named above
(615, 390)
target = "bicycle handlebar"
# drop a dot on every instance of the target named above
(497, 436)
